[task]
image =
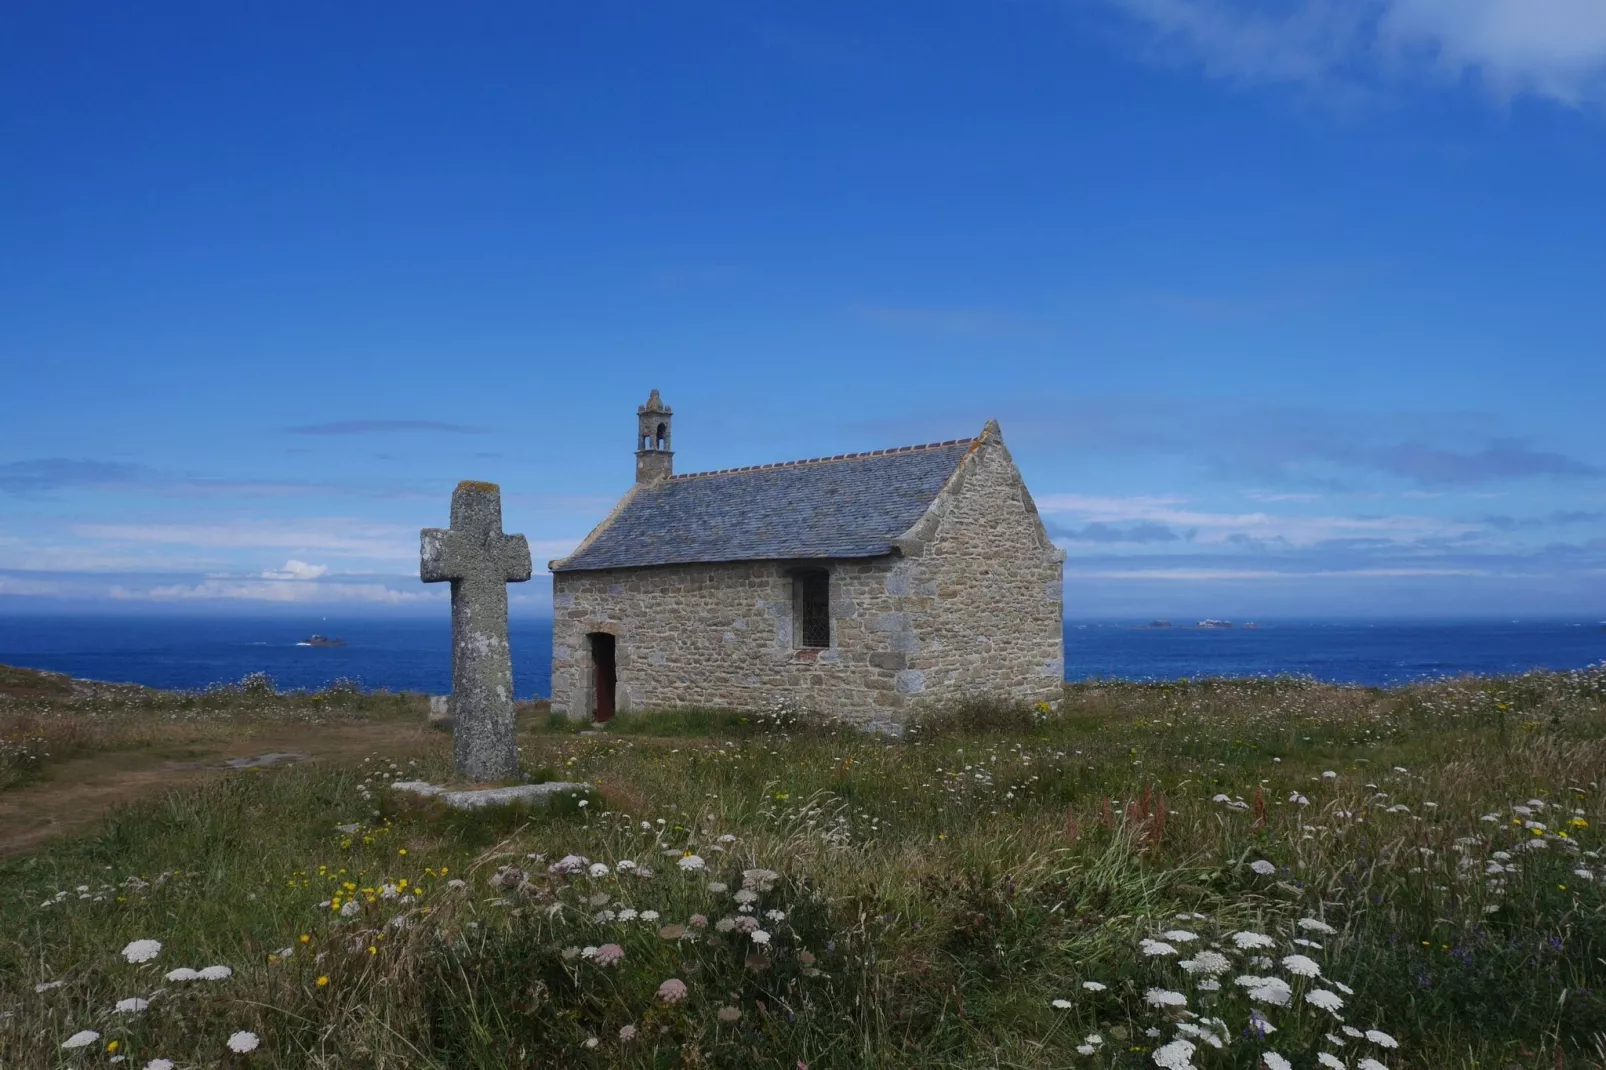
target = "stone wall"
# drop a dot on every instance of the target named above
(971, 606)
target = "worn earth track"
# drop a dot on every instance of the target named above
(76, 794)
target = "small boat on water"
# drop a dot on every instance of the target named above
(321, 640)
(1209, 622)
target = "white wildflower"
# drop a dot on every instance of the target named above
(132, 1005)
(649, 915)
(1209, 963)
(1164, 997)
(159, 1064)
(1156, 948)
(1327, 1001)
(183, 973)
(1381, 1039)
(1370, 1064)
(81, 1039)
(1274, 1061)
(1181, 936)
(1315, 925)
(1300, 966)
(48, 985)
(244, 1041)
(1263, 867)
(690, 863)
(1260, 1025)
(1248, 940)
(215, 973)
(1061, 1004)
(760, 936)
(1177, 1055)
(142, 950)
(1094, 986)
(599, 869)
(1328, 1059)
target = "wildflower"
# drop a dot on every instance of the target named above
(142, 950)
(159, 1064)
(1094, 986)
(729, 1014)
(627, 1033)
(1327, 1001)
(350, 909)
(599, 869)
(760, 936)
(1260, 1025)
(1248, 940)
(1164, 997)
(1370, 1064)
(1273, 990)
(1208, 963)
(746, 896)
(244, 1041)
(568, 864)
(1327, 1058)
(775, 915)
(131, 1006)
(82, 1039)
(1351, 1031)
(183, 973)
(649, 915)
(322, 981)
(1156, 948)
(672, 990)
(690, 862)
(725, 925)
(1274, 1061)
(1177, 1055)
(1381, 1039)
(215, 973)
(624, 865)
(1300, 966)
(717, 887)
(1061, 1004)
(1328, 774)
(1181, 936)
(608, 955)
(698, 921)
(48, 985)
(1263, 867)
(1316, 925)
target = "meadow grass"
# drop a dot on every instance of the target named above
(1122, 885)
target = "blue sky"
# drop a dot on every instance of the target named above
(1286, 308)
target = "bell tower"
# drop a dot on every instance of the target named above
(654, 459)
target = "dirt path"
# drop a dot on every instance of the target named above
(76, 794)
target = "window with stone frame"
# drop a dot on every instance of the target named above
(811, 608)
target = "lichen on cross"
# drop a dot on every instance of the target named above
(479, 561)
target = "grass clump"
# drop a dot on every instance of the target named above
(1285, 869)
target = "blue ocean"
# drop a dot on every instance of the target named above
(415, 655)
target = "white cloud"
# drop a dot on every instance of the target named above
(328, 535)
(1198, 575)
(275, 591)
(1549, 48)
(296, 570)
(39, 588)
(1208, 528)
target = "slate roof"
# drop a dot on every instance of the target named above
(852, 505)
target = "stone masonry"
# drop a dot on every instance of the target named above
(967, 604)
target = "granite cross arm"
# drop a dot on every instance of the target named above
(479, 560)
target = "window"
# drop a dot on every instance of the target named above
(811, 607)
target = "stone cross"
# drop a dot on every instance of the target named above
(479, 561)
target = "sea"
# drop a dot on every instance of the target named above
(192, 653)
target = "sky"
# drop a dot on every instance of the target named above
(1286, 308)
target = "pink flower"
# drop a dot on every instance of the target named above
(608, 955)
(698, 921)
(672, 990)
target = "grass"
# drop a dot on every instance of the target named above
(934, 895)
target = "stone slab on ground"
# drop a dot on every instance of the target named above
(260, 760)
(529, 794)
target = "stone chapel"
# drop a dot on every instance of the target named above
(865, 585)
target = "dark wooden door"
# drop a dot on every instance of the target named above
(602, 660)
